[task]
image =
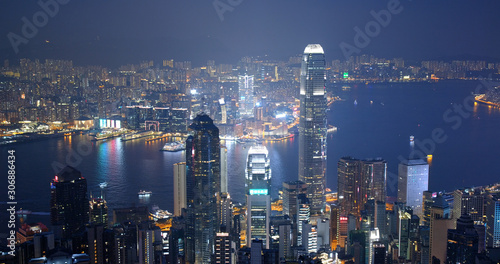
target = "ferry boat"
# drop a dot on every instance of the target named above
(103, 185)
(412, 138)
(174, 146)
(158, 213)
(143, 193)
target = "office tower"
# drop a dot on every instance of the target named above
(492, 221)
(225, 206)
(309, 237)
(352, 187)
(380, 219)
(223, 248)
(223, 169)
(405, 215)
(313, 126)
(246, 103)
(470, 202)
(440, 222)
(179, 188)
(323, 230)
(378, 253)
(427, 204)
(202, 185)
(148, 236)
(413, 180)
(291, 190)
(69, 205)
(95, 238)
(358, 182)
(256, 252)
(43, 243)
(376, 173)
(285, 239)
(258, 186)
(303, 215)
(334, 226)
(98, 211)
(462, 242)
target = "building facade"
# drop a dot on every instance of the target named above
(313, 125)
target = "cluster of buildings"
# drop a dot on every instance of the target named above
(306, 224)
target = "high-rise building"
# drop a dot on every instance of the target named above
(359, 181)
(462, 245)
(258, 185)
(313, 125)
(440, 222)
(223, 254)
(291, 190)
(376, 173)
(470, 202)
(223, 169)
(246, 103)
(98, 211)
(203, 183)
(179, 188)
(492, 221)
(413, 180)
(69, 205)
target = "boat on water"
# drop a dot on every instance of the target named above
(412, 138)
(158, 213)
(174, 146)
(143, 193)
(355, 102)
(103, 185)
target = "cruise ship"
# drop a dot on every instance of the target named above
(174, 146)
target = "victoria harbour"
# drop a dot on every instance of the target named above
(379, 125)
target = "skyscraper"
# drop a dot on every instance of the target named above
(258, 185)
(98, 211)
(358, 181)
(313, 126)
(203, 183)
(413, 180)
(245, 87)
(69, 205)
(462, 242)
(179, 188)
(492, 221)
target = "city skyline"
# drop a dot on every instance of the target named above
(238, 132)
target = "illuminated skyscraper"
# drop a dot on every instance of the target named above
(245, 86)
(313, 125)
(413, 180)
(258, 185)
(98, 211)
(69, 205)
(203, 183)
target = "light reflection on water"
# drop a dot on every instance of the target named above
(378, 129)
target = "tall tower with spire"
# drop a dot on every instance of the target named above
(313, 126)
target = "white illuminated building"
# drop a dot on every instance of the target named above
(246, 100)
(258, 185)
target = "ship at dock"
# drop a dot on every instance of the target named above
(174, 146)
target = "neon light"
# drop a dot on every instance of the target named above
(258, 191)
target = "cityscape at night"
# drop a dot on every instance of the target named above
(233, 131)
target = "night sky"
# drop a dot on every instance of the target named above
(114, 32)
